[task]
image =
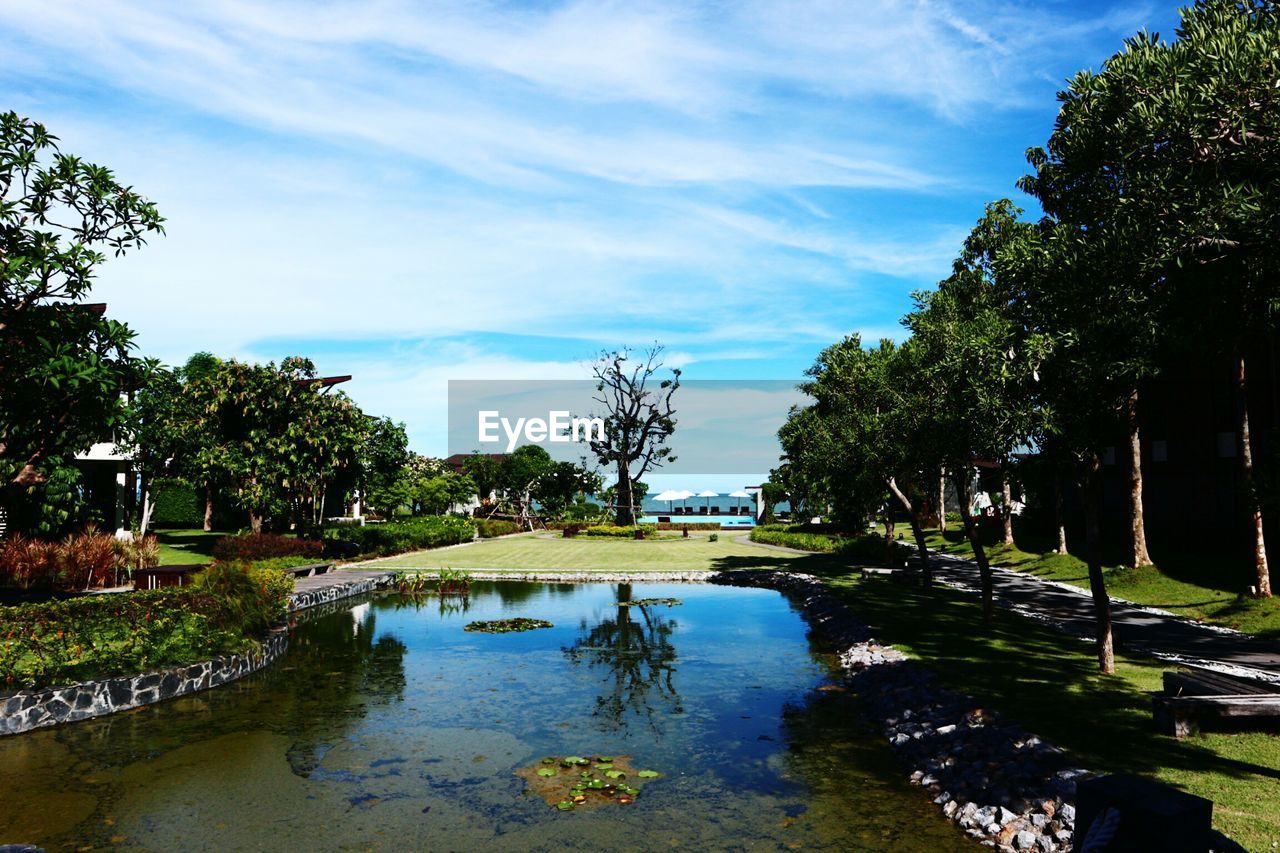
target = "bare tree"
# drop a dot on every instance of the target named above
(640, 418)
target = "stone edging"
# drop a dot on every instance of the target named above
(1003, 786)
(334, 592)
(49, 706)
(34, 709)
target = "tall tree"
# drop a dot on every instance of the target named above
(977, 361)
(64, 367)
(639, 418)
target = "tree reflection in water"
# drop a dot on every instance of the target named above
(634, 649)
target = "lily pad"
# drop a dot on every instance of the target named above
(650, 602)
(588, 788)
(648, 774)
(507, 626)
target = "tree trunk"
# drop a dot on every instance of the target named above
(1093, 548)
(1006, 504)
(979, 553)
(1058, 522)
(942, 500)
(147, 507)
(208, 508)
(917, 530)
(888, 536)
(255, 522)
(1139, 556)
(624, 515)
(1263, 588)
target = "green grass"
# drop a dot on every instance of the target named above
(1190, 586)
(536, 551)
(186, 547)
(1043, 680)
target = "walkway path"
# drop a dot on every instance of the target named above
(1135, 628)
(1144, 630)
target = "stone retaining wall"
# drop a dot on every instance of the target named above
(337, 591)
(34, 709)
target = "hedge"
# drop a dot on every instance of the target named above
(262, 546)
(228, 609)
(866, 548)
(488, 528)
(176, 505)
(613, 531)
(396, 537)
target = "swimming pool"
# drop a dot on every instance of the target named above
(743, 521)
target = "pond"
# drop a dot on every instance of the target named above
(386, 725)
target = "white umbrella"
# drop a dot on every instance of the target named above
(669, 496)
(708, 494)
(684, 494)
(740, 494)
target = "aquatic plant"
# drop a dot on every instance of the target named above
(507, 626)
(573, 781)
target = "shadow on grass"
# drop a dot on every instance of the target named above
(1043, 680)
(197, 543)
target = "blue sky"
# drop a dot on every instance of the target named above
(417, 192)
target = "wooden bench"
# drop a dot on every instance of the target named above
(1199, 696)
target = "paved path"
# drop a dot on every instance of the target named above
(1135, 628)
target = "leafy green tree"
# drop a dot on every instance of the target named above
(639, 418)
(562, 483)
(1184, 136)
(64, 367)
(276, 439)
(976, 363)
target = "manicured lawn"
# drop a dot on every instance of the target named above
(536, 551)
(186, 547)
(1039, 678)
(1190, 587)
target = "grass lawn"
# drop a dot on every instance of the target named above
(1190, 587)
(536, 551)
(1044, 681)
(186, 547)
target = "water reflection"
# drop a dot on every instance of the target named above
(634, 650)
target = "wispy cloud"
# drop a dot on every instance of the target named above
(743, 181)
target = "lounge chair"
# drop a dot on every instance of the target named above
(715, 510)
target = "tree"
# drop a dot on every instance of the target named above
(978, 363)
(864, 398)
(64, 367)
(638, 420)
(275, 439)
(562, 483)
(1186, 138)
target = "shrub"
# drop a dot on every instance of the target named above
(396, 537)
(714, 537)
(569, 531)
(280, 563)
(613, 531)
(84, 560)
(58, 642)
(488, 528)
(261, 546)
(176, 505)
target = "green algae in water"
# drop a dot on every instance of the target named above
(586, 790)
(507, 626)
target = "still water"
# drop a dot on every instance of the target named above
(386, 726)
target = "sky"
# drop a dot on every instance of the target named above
(414, 192)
